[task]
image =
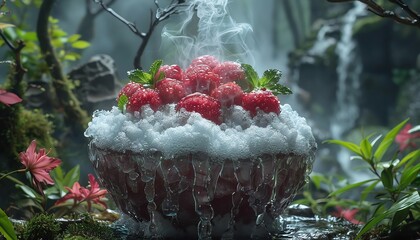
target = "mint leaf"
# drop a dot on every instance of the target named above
(280, 89)
(122, 101)
(154, 68)
(251, 75)
(271, 77)
(141, 77)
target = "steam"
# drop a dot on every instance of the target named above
(207, 29)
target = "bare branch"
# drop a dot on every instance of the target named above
(129, 24)
(155, 19)
(413, 18)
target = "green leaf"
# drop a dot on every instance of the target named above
(366, 149)
(31, 193)
(250, 74)
(80, 44)
(154, 68)
(408, 176)
(349, 145)
(72, 56)
(6, 227)
(399, 217)
(140, 76)
(401, 205)
(349, 187)
(387, 177)
(72, 176)
(412, 156)
(387, 141)
(122, 101)
(271, 76)
(280, 89)
(317, 179)
(73, 38)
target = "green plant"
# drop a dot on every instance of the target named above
(88, 229)
(394, 186)
(41, 226)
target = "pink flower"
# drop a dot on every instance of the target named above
(80, 194)
(74, 193)
(94, 193)
(347, 214)
(39, 165)
(9, 98)
(405, 139)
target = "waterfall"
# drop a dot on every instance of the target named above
(348, 70)
(346, 110)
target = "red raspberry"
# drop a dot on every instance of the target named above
(230, 72)
(208, 60)
(200, 79)
(143, 97)
(171, 71)
(129, 89)
(263, 100)
(208, 107)
(170, 90)
(228, 94)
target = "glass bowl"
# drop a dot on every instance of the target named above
(196, 196)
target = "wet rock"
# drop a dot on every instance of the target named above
(97, 83)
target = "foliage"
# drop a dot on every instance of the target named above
(391, 197)
(88, 229)
(41, 226)
(6, 227)
(66, 46)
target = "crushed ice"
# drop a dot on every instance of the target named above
(172, 133)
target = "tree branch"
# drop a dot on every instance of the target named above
(18, 67)
(74, 114)
(413, 18)
(155, 19)
(86, 25)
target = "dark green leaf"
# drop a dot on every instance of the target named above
(399, 217)
(6, 227)
(271, 76)
(387, 141)
(349, 145)
(403, 204)
(349, 187)
(387, 178)
(280, 89)
(122, 101)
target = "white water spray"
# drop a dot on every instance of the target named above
(348, 71)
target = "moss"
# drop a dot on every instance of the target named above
(88, 229)
(42, 226)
